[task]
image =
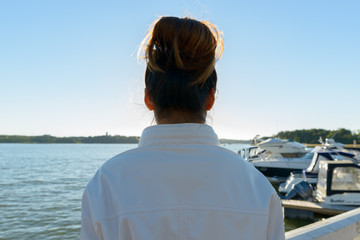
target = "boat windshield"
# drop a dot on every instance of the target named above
(346, 178)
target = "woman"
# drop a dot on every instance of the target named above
(179, 183)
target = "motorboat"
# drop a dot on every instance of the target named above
(331, 145)
(310, 174)
(338, 184)
(276, 158)
(330, 150)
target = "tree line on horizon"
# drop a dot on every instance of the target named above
(312, 136)
(309, 136)
(52, 139)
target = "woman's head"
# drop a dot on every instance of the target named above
(180, 77)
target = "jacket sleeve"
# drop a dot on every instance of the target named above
(275, 229)
(88, 231)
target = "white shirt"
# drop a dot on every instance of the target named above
(180, 184)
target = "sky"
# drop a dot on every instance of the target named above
(70, 68)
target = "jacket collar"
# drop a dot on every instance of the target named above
(184, 133)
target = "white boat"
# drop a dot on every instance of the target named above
(331, 145)
(338, 184)
(310, 174)
(277, 157)
(329, 150)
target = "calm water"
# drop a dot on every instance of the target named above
(42, 185)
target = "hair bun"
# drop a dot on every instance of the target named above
(184, 44)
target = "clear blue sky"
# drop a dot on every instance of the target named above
(69, 68)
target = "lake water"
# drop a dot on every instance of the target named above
(42, 185)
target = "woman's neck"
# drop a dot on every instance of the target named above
(176, 117)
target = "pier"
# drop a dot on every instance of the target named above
(305, 210)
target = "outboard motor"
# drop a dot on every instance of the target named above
(301, 191)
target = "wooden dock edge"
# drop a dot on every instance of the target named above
(323, 209)
(343, 226)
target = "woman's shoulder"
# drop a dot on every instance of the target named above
(233, 163)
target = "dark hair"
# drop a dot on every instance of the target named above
(181, 55)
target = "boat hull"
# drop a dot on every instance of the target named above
(280, 167)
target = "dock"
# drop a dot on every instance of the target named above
(305, 210)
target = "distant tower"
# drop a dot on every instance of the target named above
(107, 134)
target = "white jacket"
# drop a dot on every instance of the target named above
(180, 184)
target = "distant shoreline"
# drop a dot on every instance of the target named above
(105, 139)
(52, 139)
(305, 136)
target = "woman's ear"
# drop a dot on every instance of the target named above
(149, 104)
(210, 100)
